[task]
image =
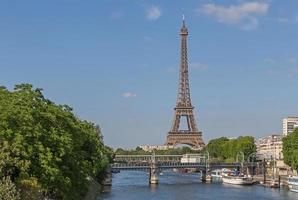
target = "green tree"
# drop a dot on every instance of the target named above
(246, 145)
(290, 149)
(139, 151)
(139, 148)
(45, 148)
(224, 149)
(215, 147)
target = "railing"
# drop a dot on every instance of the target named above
(144, 162)
(147, 158)
(169, 165)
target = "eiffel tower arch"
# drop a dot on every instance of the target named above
(184, 109)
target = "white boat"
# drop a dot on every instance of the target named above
(237, 180)
(227, 172)
(216, 173)
(293, 183)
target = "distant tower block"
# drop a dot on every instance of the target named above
(184, 109)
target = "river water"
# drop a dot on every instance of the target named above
(133, 185)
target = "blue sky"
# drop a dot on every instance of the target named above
(116, 62)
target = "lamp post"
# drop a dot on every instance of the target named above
(274, 163)
(240, 153)
(207, 158)
(252, 155)
(205, 177)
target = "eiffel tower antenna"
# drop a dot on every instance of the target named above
(184, 109)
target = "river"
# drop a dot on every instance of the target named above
(133, 185)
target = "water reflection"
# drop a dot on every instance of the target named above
(134, 185)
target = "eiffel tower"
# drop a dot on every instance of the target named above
(184, 109)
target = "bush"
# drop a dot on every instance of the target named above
(30, 189)
(8, 190)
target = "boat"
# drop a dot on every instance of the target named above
(208, 178)
(293, 183)
(183, 170)
(115, 171)
(274, 184)
(226, 172)
(237, 179)
(216, 173)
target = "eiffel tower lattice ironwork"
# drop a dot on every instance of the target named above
(192, 136)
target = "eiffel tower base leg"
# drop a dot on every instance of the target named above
(153, 179)
(194, 139)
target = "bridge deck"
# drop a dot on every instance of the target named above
(145, 162)
(167, 165)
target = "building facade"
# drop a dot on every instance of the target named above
(270, 147)
(289, 124)
(150, 148)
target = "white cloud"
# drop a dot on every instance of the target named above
(199, 66)
(245, 14)
(129, 95)
(153, 13)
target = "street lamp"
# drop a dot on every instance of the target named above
(253, 156)
(240, 153)
(207, 158)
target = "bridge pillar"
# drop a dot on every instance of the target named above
(205, 176)
(153, 179)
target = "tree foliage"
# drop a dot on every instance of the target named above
(290, 149)
(227, 149)
(140, 151)
(220, 149)
(45, 148)
(8, 190)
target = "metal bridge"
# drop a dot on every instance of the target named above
(155, 163)
(145, 162)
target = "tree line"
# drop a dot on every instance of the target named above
(140, 151)
(220, 149)
(224, 149)
(290, 149)
(46, 152)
